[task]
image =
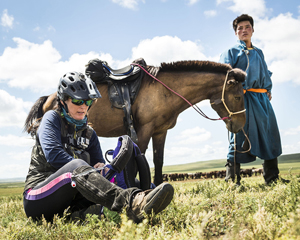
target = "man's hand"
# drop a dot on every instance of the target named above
(269, 95)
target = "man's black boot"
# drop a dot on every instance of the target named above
(271, 172)
(230, 172)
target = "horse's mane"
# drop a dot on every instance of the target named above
(205, 66)
(202, 66)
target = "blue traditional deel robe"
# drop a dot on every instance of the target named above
(261, 125)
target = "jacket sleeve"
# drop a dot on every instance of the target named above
(49, 135)
(95, 151)
(235, 56)
(226, 57)
(268, 74)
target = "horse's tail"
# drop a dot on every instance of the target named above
(34, 116)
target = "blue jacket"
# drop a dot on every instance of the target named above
(261, 125)
(258, 75)
(53, 148)
(49, 135)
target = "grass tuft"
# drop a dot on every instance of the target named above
(201, 209)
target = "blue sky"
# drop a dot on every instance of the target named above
(42, 40)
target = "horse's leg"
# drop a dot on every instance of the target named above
(144, 134)
(158, 142)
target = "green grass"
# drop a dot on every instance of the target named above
(200, 209)
(285, 163)
(10, 192)
(11, 188)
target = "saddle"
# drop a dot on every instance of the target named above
(123, 86)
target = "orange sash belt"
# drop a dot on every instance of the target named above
(258, 90)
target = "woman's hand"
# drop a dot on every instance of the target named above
(99, 165)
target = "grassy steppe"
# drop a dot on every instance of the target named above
(285, 163)
(11, 188)
(200, 209)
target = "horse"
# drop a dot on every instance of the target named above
(156, 108)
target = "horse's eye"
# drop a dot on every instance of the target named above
(237, 98)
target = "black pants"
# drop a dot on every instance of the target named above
(55, 194)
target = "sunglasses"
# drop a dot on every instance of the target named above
(80, 102)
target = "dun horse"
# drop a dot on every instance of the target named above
(156, 108)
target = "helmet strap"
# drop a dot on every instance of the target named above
(64, 105)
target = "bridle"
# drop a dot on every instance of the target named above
(196, 108)
(223, 99)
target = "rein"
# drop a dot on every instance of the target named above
(195, 107)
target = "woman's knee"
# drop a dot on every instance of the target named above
(71, 166)
(78, 163)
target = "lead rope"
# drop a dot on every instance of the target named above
(196, 108)
(234, 161)
(235, 150)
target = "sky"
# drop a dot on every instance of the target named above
(42, 40)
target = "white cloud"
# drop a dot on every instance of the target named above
(255, 8)
(193, 136)
(180, 155)
(6, 19)
(13, 170)
(210, 13)
(167, 49)
(15, 164)
(131, 4)
(20, 156)
(15, 110)
(51, 28)
(291, 131)
(279, 39)
(192, 2)
(16, 141)
(291, 148)
(38, 66)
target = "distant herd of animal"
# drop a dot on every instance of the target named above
(207, 175)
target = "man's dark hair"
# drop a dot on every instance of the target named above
(243, 17)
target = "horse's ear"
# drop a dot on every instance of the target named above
(238, 74)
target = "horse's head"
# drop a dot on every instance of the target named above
(230, 102)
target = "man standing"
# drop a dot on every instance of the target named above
(261, 125)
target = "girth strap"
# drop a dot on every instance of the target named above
(128, 114)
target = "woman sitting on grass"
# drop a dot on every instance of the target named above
(64, 159)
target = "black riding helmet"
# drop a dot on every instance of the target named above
(77, 85)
